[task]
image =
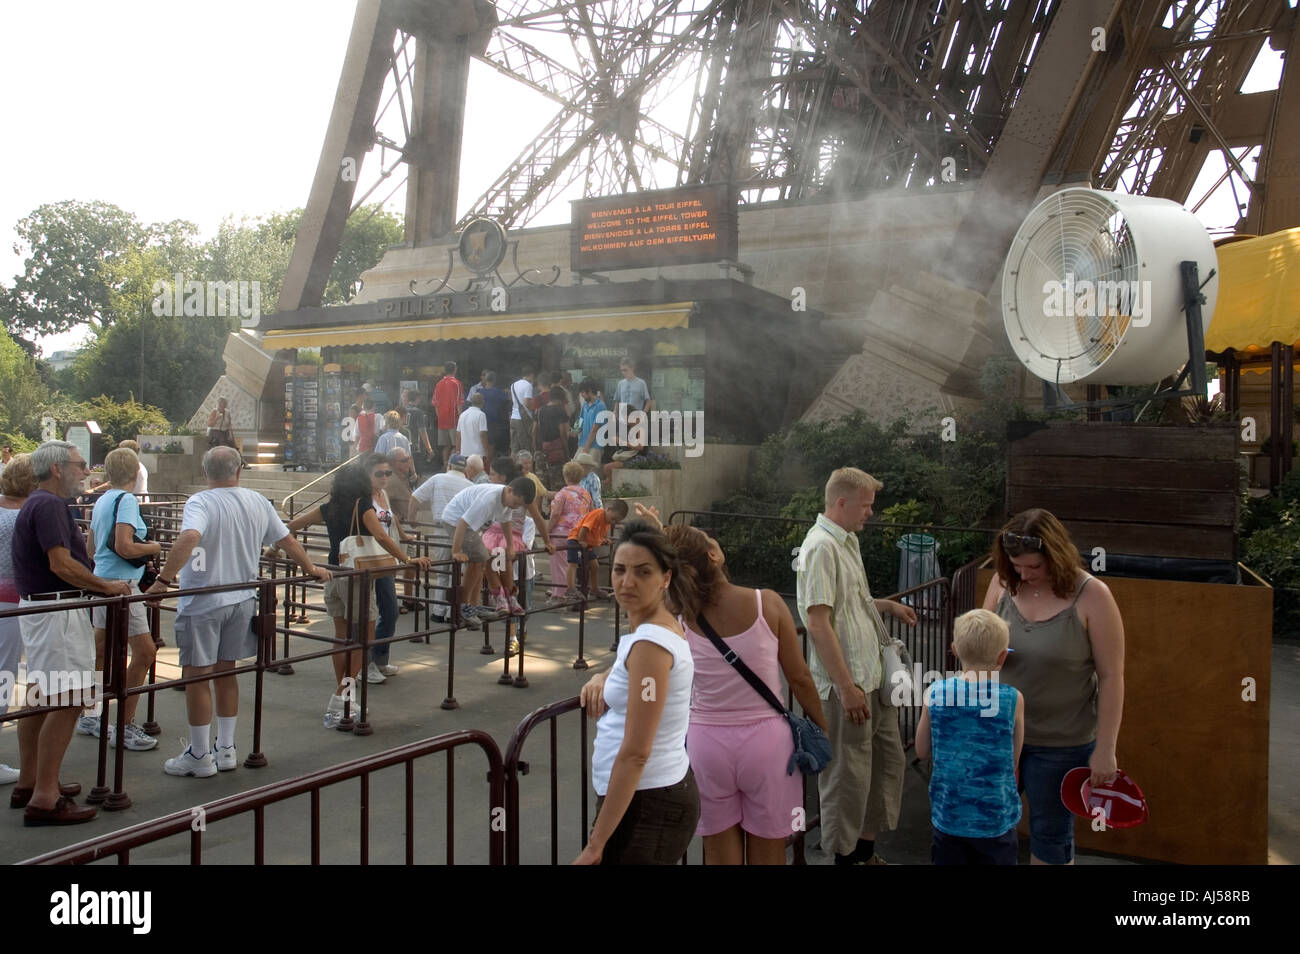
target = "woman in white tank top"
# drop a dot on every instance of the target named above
(647, 804)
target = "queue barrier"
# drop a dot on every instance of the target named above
(113, 797)
(255, 802)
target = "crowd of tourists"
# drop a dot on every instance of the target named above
(545, 413)
(692, 737)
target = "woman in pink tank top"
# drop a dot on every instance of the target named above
(739, 746)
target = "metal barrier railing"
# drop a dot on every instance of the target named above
(516, 766)
(114, 662)
(256, 801)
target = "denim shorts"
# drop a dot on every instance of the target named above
(1051, 826)
(657, 826)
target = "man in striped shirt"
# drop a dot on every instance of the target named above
(862, 788)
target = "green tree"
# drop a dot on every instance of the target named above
(182, 360)
(71, 252)
(249, 251)
(368, 233)
(21, 390)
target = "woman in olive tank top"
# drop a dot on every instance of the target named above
(1068, 661)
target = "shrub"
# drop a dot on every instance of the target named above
(624, 490)
(117, 422)
(652, 463)
(22, 444)
(1270, 545)
(1274, 553)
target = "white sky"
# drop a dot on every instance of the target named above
(175, 109)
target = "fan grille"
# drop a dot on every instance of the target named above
(1066, 296)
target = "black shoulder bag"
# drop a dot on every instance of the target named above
(812, 750)
(150, 574)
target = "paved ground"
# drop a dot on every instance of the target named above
(406, 709)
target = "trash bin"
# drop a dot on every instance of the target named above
(918, 562)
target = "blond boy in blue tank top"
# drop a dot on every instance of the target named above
(974, 725)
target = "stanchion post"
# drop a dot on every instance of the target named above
(521, 626)
(265, 652)
(115, 636)
(154, 614)
(450, 701)
(367, 587)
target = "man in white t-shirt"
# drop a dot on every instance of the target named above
(435, 493)
(472, 428)
(521, 412)
(223, 530)
(466, 515)
(141, 486)
(141, 475)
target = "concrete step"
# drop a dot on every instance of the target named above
(274, 484)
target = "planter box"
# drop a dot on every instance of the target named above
(663, 484)
(155, 444)
(173, 473)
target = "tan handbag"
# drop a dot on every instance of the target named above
(357, 552)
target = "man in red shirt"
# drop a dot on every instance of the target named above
(448, 396)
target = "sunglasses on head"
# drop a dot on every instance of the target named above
(1022, 541)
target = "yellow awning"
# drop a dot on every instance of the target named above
(1259, 294)
(487, 325)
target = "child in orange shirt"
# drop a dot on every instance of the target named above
(592, 531)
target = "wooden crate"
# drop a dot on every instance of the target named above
(1133, 489)
(1195, 746)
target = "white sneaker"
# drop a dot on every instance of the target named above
(388, 669)
(225, 757)
(88, 725)
(136, 739)
(187, 764)
(8, 775)
(373, 675)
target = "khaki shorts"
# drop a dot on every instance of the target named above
(472, 545)
(336, 600)
(138, 625)
(862, 787)
(446, 437)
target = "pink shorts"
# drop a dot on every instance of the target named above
(740, 770)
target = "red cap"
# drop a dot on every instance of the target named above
(1121, 801)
